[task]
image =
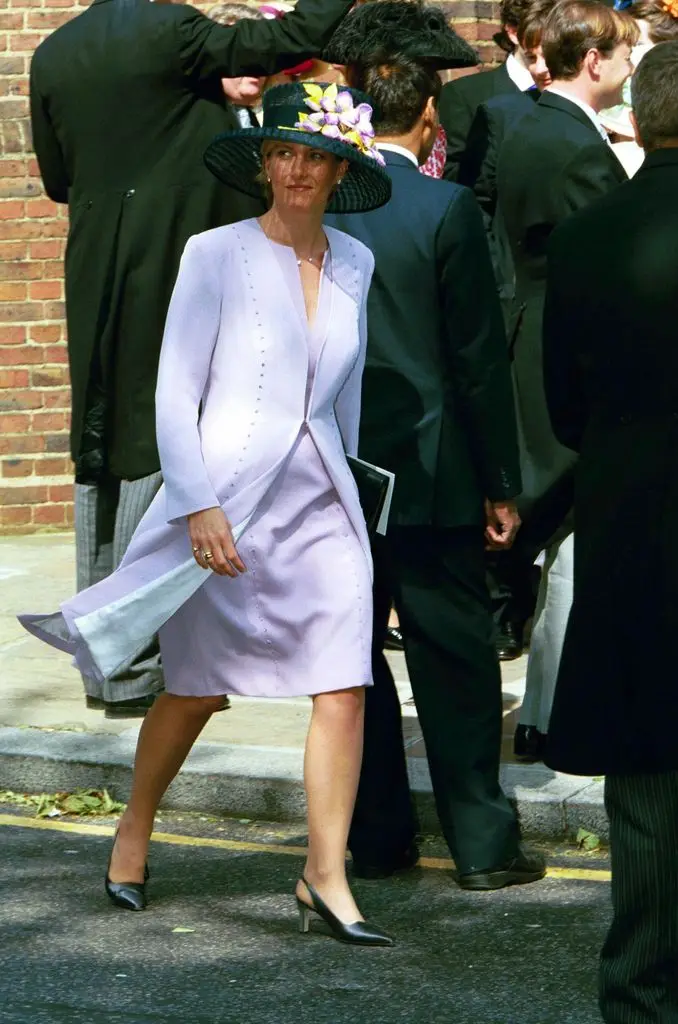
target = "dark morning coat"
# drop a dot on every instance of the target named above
(459, 101)
(478, 171)
(437, 407)
(124, 100)
(552, 163)
(611, 373)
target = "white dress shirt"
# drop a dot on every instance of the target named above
(519, 74)
(391, 147)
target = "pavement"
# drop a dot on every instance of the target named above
(248, 763)
(219, 941)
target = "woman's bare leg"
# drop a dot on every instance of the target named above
(167, 734)
(331, 771)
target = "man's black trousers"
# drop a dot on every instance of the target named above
(639, 965)
(436, 578)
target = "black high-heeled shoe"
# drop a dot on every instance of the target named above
(359, 933)
(126, 895)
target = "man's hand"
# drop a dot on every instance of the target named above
(503, 523)
(213, 544)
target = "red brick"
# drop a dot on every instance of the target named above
(46, 250)
(57, 443)
(55, 355)
(13, 251)
(43, 421)
(21, 355)
(12, 209)
(61, 492)
(13, 515)
(35, 495)
(13, 400)
(12, 168)
(50, 515)
(20, 444)
(56, 398)
(44, 290)
(12, 336)
(22, 229)
(21, 312)
(44, 20)
(15, 271)
(53, 467)
(24, 42)
(17, 467)
(40, 208)
(53, 310)
(13, 378)
(44, 334)
(13, 291)
(14, 422)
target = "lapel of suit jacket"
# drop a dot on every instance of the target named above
(565, 106)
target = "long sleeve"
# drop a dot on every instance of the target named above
(191, 332)
(46, 144)
(565, 396)
(477, 353)
(347, 402)
(456, 115)
(209, 50)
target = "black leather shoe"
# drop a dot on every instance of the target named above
(394, 640)
(127, 895)
(372, 870)
(509, 641)
(529, 744)
(357, 933)
(527, 866)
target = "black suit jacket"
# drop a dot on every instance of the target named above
(459, 102)
(611, 374)
(478, 171)
(552, 163)
(437, 403)
(124, 100)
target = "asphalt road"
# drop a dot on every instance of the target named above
(526, 955)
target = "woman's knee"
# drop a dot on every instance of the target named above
(202, 706)
(345, 704)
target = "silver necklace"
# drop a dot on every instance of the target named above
(311, 259)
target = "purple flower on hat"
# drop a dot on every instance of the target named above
(335, 116)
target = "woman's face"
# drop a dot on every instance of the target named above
(302, 178)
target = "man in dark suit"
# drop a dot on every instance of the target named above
(438, 412)
(611, 374)
(461, 98)
(554, 161)
(124, 100)
(511, 575)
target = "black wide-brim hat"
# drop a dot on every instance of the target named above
(375, 31)
(235, 157)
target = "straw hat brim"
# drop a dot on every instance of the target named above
(235, 159)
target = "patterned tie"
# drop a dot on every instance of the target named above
(533, 93)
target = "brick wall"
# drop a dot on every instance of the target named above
(35, 470)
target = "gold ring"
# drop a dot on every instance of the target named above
(207, 555)
(196, 550)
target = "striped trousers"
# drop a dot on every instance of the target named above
(106, 516)
(639, 965)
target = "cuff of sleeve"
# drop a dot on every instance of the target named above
(180, 505)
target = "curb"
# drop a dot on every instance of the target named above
(266, 783)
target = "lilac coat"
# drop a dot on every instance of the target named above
(226, 429)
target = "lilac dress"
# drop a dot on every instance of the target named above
(300, 550)
(256, 410)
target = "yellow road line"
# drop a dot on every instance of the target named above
(239, 846)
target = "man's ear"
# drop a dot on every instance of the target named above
(512, 33)
(636, 133)
(431, 112)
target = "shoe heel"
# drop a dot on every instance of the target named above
(304, 917)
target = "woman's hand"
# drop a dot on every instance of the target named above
(213, 544)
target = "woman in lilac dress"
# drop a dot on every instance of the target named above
(258, 527)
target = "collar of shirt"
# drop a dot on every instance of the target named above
(518, 74)
(589, 111)
(390, 147)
